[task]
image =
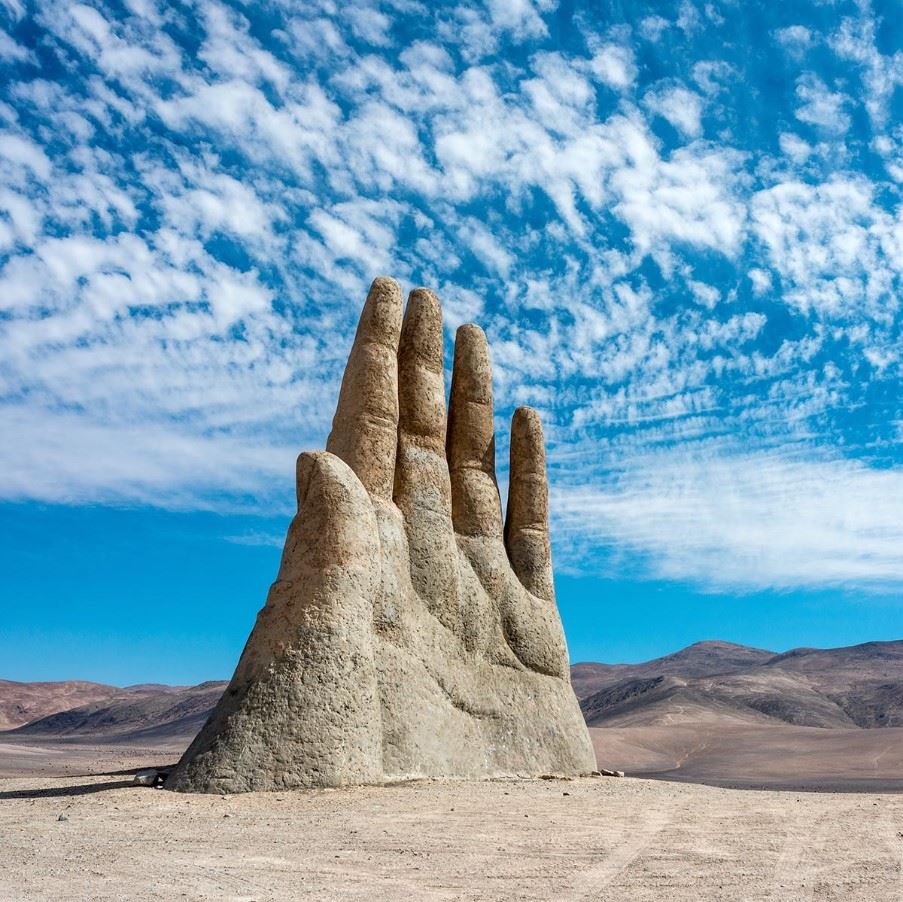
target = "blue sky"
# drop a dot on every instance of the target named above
(679, 223)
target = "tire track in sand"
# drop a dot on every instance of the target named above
(601, 874)
(810, 852)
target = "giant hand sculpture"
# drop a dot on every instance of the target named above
(408, 634)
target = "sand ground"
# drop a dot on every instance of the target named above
(591, 838)
(782, 756)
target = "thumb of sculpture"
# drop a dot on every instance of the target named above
(301, 708)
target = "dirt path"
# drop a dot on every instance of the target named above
(600, 839)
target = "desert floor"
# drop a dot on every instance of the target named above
(590, 838)
(779, 756)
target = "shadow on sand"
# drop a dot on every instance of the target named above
(131, 771)
(62, 792)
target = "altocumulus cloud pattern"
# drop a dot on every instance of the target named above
(679, 222)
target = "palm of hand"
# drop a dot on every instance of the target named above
(408, 633)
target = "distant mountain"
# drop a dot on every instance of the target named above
(708, 683)
(140, 714)
(700, 659)
(24, 702)
(859, 686)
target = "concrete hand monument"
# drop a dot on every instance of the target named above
(409, 633)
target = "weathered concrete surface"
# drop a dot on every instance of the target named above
(409, 633)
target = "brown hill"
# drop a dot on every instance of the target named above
(799, 720)
(140, 714)
(700, 659)
(21, 703)
(859, 686)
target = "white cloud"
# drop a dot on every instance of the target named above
(370, 24)
(652, 27)
(232, 53)
(459, 306)
(820, 106)
(480, 28)
(688, 198)
(16, 8)
(761, 280)
(522, 18)
(258, 539)
(116, 54)
(794, 147)
(729, 519)
(834, 248)
(682, 108)
(560, 90)
(23, 153)
(11, 51)
(795, 38)
(293, 134)
(707, 295)
(733, 332)
(613, 65)
(359, 231)
(882, 74)
(484, 245)
(316, 38)
(76, 460)
(713, 76)
(688, 18)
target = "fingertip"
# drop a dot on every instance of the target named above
(472, 370)
(421, 330)
(365, 425)
(527, 415)
(527, 441)
(381, 317)
(470, 335)
(425, 296)
(384, 284)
